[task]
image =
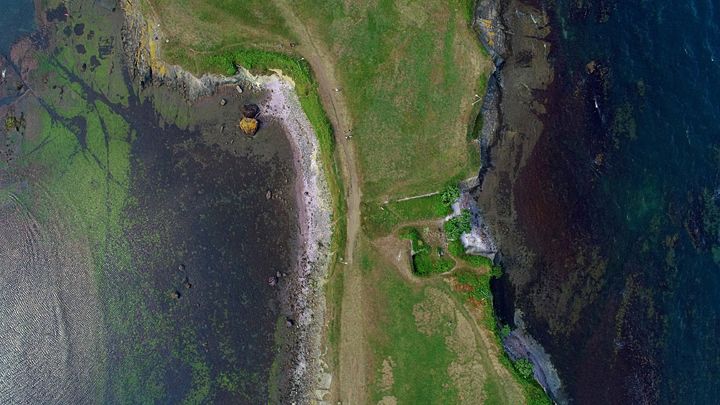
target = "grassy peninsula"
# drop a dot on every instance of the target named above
(392, 88)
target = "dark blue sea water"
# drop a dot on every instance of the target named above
(649, 153)
(16, 20)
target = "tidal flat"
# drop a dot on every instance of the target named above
(139, 230)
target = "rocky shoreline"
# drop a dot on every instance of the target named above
(302, 295)
(515, 33)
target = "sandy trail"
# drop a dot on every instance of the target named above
(350, 382)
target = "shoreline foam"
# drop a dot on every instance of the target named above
(303, 295)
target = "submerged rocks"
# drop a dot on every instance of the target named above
(250, 110)
(275, 280)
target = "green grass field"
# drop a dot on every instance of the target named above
(418, 354)
(410, 71)
(380, 219)
(200, 25)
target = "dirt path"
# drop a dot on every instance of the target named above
(350, 379)
(415, 197)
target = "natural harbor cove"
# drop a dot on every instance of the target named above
(149, 246)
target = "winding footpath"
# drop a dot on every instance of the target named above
(350, 379)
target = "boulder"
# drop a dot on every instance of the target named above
(249, 126)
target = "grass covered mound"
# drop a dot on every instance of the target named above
(456, 226)
(426, 260)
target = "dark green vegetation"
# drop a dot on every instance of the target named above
(456, 226)
(426, 260)
(479, 284)
(504, 331)
(524, 368)
(382, 218)
(450, 195)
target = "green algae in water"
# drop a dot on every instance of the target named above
(161, 201)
